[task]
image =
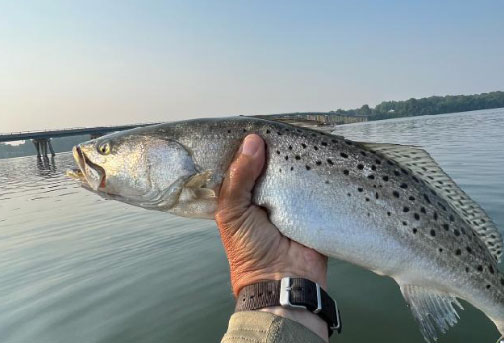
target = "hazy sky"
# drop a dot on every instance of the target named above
(88, 63)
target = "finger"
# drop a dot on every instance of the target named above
(242, 173)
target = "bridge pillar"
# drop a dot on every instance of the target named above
(49, 145)
(42, 145)
(37, 146)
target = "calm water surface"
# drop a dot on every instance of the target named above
(76, 268)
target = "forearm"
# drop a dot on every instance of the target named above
(265, 327)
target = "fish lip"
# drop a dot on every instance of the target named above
(83, 160)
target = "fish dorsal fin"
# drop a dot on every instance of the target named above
(425, 168)
(433, 310)
(299, 121)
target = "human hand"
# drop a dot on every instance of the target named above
(256, 250)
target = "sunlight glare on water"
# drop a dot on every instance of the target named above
(77, 268)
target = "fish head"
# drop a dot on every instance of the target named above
(139, 169)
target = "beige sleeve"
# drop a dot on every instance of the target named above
(264, 327)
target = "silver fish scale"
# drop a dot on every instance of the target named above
(380, 188)
(352, 203)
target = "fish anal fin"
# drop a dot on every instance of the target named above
(432, 309)
(423, 166)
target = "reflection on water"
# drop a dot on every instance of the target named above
(77, 268)
(46, 165)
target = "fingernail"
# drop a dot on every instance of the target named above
(250, 146)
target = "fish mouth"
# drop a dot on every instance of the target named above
(90, 173)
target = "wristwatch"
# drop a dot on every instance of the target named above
(293, 293)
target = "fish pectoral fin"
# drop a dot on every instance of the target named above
(196, 188)
(431, 308)
(198, 180)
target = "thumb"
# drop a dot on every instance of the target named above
(236, 189)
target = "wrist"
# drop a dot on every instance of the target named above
(249, 278)
(304, 317)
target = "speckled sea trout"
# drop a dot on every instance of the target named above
(388, 208)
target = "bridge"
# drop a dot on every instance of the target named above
(42, 139)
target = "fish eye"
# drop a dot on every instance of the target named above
(104, 148)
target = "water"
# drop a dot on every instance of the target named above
(76, 268)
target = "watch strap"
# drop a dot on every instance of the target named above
(291, 293)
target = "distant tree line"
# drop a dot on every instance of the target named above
(428, 106)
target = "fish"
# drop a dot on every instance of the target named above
(385, 207)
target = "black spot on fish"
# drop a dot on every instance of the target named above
(292, 168)
(405, 209)
(367, 199)
(396, 194)
(286, 157)
(279, 133)
(416, 216)
(297, 157)
(427, 198)
(452, 218)
(346, 172)
(405, 223)
(377, 195)
(334, 141)
(360, 189)
(323, 143)
(403, 186)
(502, 281)
(330, 161)
(371, 177)
(435, 216)
(244, 130)
(412, 198)
(378, 161)
(488, 286)
(342, 154)
(315, 147)
(290, 147)
(415, 179)
(326, 182)
(307, 167)
(458, 252)
(389, 214)
(268, 131)
(422, 209)
(414, 230)
(360, 166)
(456, 232)
(440, 249)
(303, 145)
(433, 233)
(442, 206)
(385, 178)
(278, 152)
(446, 227)
(396, 173)
(229, 131)
(491, 270)
(480, 268)
(349, 194)
(373, 167)
(318, 163)
(363, 153)
(467, 269)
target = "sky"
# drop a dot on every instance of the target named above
(90, 63)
